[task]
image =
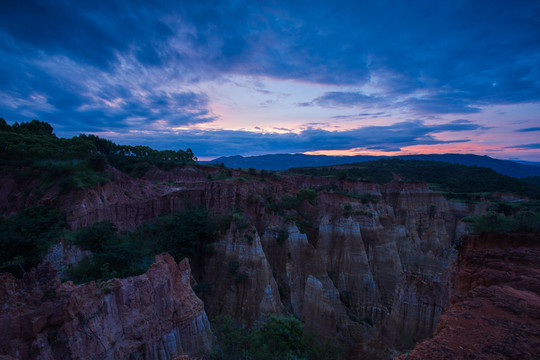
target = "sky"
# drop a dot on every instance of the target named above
(264, 77)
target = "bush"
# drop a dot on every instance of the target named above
(240, 220)
(522, 221)
(26, 236)
(97, 162)
(113, 255)
(307, 195)
(233, 339)
(188, 233)
(274, 337)
(95, 237)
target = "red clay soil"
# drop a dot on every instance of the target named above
(496, 308)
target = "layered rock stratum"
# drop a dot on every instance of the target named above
(152, 316)
(495, 310)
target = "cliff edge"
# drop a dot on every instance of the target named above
(152, 316)
(495, 311)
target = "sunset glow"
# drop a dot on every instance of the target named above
(358, 78)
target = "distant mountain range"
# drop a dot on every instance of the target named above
(287, 161)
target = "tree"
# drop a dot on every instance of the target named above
(26, 236)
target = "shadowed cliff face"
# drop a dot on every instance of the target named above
(495, 311)
(369, 262)
(152, 316)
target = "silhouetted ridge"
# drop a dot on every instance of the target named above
(287, 161)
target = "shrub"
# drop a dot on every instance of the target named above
(307, 195)
(522, 221)
(189, 233)
(26, 236)
(274, 337)
(95, 236)
(97, 162)
(240, 220)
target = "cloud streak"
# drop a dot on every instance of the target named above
(344, 99)
(525, 146)
(384, 138)
(529, 129)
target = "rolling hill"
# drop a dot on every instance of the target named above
(287, 161)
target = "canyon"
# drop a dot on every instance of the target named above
(495, 306)
(372, 266)
(152, 316)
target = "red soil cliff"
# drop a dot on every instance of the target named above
(152, 316)
(495, 312)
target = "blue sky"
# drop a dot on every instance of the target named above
(254, 77)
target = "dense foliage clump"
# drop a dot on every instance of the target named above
(33, 149)
(272, 338)
(457, 180)
(189, 233)
(26, 236)
(508, 218)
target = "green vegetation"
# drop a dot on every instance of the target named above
(522, 220)
(308, 195)
(272, 338)
(240, 220)
(291, 208)
(136, 160)
(289, 202)
(458, 181)
(32, 150)
(26, 236)
(189, 233)
(349, 211)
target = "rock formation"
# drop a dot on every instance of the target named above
(361, 261)
(240, 278)
(495, 312)
(152, 316)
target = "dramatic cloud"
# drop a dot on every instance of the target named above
(383, 138)
(123, 66)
